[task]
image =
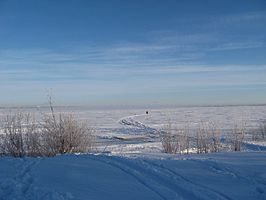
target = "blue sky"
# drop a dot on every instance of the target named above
(141, 52)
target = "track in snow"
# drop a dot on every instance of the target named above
(162, 181)
(227, 176)
(129, 121)
(21, 186)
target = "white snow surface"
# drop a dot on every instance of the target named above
(221, 176)
(126, 131)
(131, 165)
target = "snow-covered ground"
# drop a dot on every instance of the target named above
(222, 176)
(131, 164)
(123, 131)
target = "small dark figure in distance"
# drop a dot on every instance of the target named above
(147, 112)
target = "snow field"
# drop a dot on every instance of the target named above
(211, 176)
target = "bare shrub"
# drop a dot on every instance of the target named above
(258, 133)
(32, 137)
(169, 141)
(183, 142)
(20, 136)
(214, 134)
(263, 130)
(239, 133)
(202, 138)
(208, 137)
(66, 135)
(174, 140)
(12, 142)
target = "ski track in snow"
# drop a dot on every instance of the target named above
(155, 177)
(161, 178)
(137, 175)
(22, 187)
(199, 190)
(220, 168)
(21, 184)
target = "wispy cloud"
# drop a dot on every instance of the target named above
(243, 17)
(126, 55)
(220, 32)
(161, 48)
(238, 45)
(115, 64)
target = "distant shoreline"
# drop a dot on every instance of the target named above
(129, 107)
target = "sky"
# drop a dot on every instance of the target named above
(132, 53)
